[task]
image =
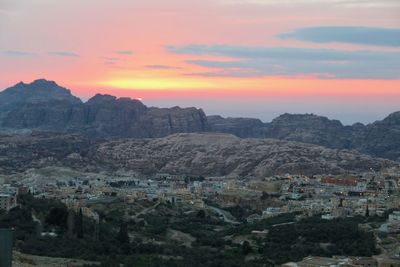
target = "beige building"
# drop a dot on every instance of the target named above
(337, 261)
(7, 202)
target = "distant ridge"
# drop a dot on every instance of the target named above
(44, 105)
(379, 139)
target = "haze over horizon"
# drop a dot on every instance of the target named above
(240, 58)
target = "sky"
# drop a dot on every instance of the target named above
(239, 58)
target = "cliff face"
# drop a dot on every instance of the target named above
(306, 128)
(381, 138)
(309, 128)
(241, 127)
(44, 105)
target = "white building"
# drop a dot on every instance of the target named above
(7, 202)
(271, 212)
(394, 217)
(8, 197)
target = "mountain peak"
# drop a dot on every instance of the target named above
(308, 118)
(106, 98)
(393, 118)
(101, 98)
(44, 82)
(40, 90)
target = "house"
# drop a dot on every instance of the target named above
(271, 212)
(7, 201)
(384, 261)
(8, 197)
(253, 218)
(394, 217)
(335, 261)
(313, 262)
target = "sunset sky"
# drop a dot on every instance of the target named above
(248, 58)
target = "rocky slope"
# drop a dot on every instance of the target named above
(221, 154)
(207, 154)
(44, 105)
(20, 152)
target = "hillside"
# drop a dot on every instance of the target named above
(227, 155)
(45, 106)
(207, 154)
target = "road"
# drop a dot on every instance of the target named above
(226, 216)
(145, 210)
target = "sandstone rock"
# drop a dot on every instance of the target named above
(44, 105)
(226, 155)
(207, 154)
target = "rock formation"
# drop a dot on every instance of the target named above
(43, 105)
(207, 154)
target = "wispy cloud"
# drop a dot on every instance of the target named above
(283, 61)
(229, 72)
(342, 3)
(63, 54)
(162, 67)
(124, 52)
(112, 58)
(17, 53)
(351, 35)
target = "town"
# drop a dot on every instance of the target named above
(369, 194)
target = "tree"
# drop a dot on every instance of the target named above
(201, 214)
(246, 248)
(123, 236)
(79, 224)
(71, 223)
(57, 217)
(264, 195)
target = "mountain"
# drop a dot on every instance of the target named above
(310, 128)
(306, 128)
(38, 91)
(379, 139)
(208, 154)
(43, 105)
(241, 127)
(227, 155)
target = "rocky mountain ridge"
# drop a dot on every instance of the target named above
(227, 155)
(380, 139)
(207, 154)
(43, 105)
